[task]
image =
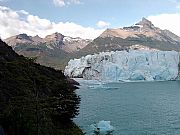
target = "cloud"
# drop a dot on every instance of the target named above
(16, 22)
(62, 3)
(102, 24)
(23, 12)
(167, 21)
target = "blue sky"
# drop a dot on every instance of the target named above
(47, 16)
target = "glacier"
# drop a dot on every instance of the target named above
(131, 65)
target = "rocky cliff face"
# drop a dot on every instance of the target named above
(126, 65)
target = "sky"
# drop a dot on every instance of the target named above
(84, 18)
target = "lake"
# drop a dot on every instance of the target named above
(133, 108)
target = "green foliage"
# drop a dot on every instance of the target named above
(34, 99)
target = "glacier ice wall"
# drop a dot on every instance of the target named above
(126, 65)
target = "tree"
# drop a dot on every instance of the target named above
(35, 99)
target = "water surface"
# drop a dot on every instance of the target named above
(137, 108)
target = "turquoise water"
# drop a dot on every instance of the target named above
(137, 108)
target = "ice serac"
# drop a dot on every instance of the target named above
(126, 65)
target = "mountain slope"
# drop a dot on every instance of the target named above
(142, 35)
(35, 99)
(53, 50)
(54, 41)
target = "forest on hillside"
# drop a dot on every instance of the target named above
(34, 99)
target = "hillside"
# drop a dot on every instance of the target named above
(35, 99)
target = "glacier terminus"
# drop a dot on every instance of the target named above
(126, 65)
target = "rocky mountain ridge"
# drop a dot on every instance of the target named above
(144, 27)
(53, 41)
(142, 34)
(54, 50)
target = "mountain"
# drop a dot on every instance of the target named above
(142, 35)
(53, 50)
(145, 28)
(35, 99)
(54, 41)
(56, 50)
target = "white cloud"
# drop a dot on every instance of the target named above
(167, 21)
(23, 12)
(62, 3)
(102, 24)
(16, 22)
